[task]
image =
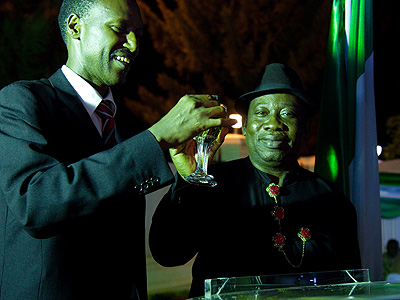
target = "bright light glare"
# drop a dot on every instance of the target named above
(238, 118)
(379, 150)
(333, 163)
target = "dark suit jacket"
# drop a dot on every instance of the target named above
(230, 226)
(71, 214)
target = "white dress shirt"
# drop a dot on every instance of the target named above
(88, 95)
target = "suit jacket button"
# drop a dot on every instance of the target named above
(155, 179)
(139, 188)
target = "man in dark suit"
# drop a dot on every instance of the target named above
(71, 201)
(267, 215)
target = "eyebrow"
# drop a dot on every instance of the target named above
(294, 105)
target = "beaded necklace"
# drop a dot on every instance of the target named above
(279, 239)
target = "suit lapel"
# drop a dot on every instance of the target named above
(80, 122)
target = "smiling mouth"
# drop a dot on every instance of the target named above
(274, 143)
(123, 59)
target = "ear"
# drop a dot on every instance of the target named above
(74, 26)
(244, 126)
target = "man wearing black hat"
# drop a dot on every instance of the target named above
(267, 215)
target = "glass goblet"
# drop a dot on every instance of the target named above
(204, 142)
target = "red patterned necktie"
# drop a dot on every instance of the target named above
(106, 110)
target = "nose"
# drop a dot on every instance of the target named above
(131, 42)
(273, 122)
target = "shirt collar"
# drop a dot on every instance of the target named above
(88, 95)
(290, 177)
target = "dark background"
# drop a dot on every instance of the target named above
(206, 47)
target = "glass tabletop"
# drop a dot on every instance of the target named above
(343, 284)
(362, 290)
(221, 286)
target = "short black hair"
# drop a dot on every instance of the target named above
(68, 7)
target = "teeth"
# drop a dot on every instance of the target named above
(123, 59)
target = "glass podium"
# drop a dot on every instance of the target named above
(344, 284)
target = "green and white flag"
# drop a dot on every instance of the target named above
(347, 139)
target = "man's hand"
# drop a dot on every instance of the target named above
(190, 116)
(183, 156)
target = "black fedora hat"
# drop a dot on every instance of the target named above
(276, 78)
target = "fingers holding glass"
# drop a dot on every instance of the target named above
(205, 141)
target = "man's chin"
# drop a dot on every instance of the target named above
(278, 157)
(120, 79)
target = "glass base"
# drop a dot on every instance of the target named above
(201, 179)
